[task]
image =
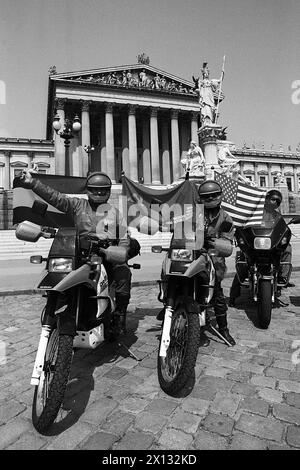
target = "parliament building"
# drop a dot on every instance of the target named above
(135, 119)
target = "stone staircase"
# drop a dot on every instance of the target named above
(12, 248)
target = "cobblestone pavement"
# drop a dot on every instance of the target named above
(245, 397)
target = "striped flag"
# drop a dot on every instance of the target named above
(244, 203)
(24, 199)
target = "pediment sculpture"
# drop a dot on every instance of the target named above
(136, 78)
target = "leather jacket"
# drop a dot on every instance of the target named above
(213, 221)
(105, 222)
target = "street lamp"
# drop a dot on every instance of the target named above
(89, 149)
(66, 134)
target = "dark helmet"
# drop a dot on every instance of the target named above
(275, 195)
(210, 193)
(98, 187)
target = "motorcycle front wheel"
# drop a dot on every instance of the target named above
(49, 394)
(264, 303)
(176, 368)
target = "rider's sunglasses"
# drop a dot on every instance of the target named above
(95, 190)
(210, 196)
(275, 199)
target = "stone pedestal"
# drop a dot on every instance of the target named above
(208, 138)
(282, 187)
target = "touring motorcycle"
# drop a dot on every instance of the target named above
(78, 312)
(186, 289)
(259, 261)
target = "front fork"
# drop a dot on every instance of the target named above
(256, 276)
(49, 320)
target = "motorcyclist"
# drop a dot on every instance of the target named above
(96, 217)
(271, 212)
(210, 193)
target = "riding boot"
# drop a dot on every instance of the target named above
(120, 313)
(204, 340)
(223, 328)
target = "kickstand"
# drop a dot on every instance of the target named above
(129, 351)
(219, 334)
(281, 303)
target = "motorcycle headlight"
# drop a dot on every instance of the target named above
(182, 255)
(262, 243)
(60, 265)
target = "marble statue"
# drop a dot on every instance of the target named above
(205, 90)
(194, 161)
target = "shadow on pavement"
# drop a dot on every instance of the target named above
(295, 300)
(81, 381)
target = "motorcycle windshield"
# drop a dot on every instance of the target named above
(267, 227)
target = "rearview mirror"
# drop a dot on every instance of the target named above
(28, 232)
(295, 220)
(36, 259)
(156, 249)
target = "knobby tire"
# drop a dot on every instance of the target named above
(61, 360)
(187, 353)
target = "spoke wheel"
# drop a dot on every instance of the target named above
(49, 394)
(175, 369)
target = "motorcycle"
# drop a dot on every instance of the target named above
(78, 311)
(259, 260)
(186, 289)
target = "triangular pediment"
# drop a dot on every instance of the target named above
(137, 76)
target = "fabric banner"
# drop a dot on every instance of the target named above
(25, 205)
(151, 210)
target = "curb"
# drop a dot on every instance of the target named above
(5, 293)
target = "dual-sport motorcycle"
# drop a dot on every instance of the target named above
(259, 261)
(186, 289)
(78, 312)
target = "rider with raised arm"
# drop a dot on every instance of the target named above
(96, 217)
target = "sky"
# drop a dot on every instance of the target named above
(260, 39)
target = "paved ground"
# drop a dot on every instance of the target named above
(20, 275)
(245, 397)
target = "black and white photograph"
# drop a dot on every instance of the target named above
(149, 228)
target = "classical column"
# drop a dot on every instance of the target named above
(166, 177)
(270, 182)
(7, 170)
(194, 126)
(75, 157)
(103, 146)
(255, 174)
(60, 151)
(30, 159)
(110, 145)
(125, 147)
(85, 134)
(146, 150)
(154, 147)
(175, 144)
(132, 143)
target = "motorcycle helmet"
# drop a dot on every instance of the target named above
(274, 197)
(98, 186)
(210, 193)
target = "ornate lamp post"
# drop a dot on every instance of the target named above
(89, 149)
(66, 134)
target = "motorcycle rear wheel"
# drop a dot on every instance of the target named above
(49, 394)
(176, 368)
(264, 303)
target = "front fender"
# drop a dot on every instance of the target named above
(81, 275)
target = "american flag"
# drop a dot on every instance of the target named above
(242, 202)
